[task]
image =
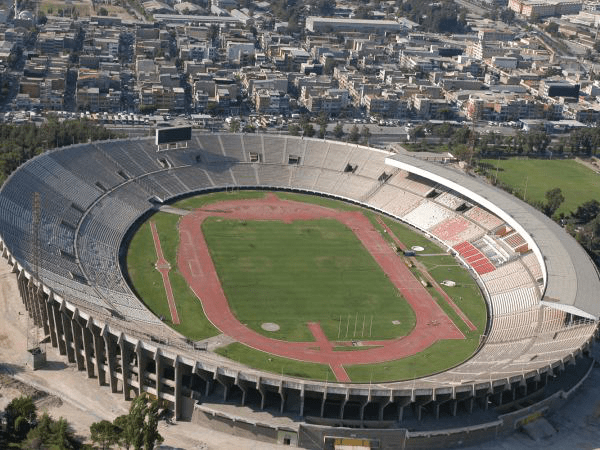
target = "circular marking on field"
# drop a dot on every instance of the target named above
(417, 248)
(270, 326)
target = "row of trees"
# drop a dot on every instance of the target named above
(582, 141)
(137, 430)
(24, 429)
(18, 143)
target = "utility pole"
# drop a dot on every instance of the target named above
(36, 357)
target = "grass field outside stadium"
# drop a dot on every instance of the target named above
(532, 178)
(291, 274)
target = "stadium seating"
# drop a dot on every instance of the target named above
(427, 215)
(88, 207)
(483, 218)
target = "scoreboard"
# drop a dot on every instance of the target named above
(173, 134)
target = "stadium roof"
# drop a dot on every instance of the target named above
(572, 282)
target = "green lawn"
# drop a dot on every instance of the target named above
(440, 356)
(148, 284)
(318, 200)
(307, 271)
(199, 201)
(578, 183)
(270, 363)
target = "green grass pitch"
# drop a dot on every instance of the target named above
(578, 183)
(306, 271)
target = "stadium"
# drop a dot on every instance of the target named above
(69, 253)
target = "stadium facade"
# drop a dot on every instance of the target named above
(540, 287)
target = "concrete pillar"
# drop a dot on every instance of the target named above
(76, 333)
(158, 365)
(98, 342)
(60, 335)
(22, 284)
(125, 365)
(141, 366)
(343, 404)
(42, 308)
(302, 397)
(50, 315)
(88, 351)
(31, 292)
(178, 381)
(323, 402)
(261, 390)
(454, 407)
(110, 352)
(67, 333)
(282, 395)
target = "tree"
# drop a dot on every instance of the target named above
(554, 198)
(338, 131)
(354, 134)
(366, 134)
(322, 119)
(20, 417)
(103, 12)
(124, 432)
(105, 434)
(294, 129)
(586, 212)
(322, 131)
(309, 130)
(50, 434)
(234, 126)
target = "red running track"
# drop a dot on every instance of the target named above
(196, 265)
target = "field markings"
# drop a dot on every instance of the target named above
(163, 266)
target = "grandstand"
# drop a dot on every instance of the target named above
(539, 284)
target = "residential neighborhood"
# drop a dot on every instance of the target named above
(262, 66)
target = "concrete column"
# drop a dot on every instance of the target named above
(141, 366)
(67, 333)
(302, 398)
(88, 346)
(282, 395)
(261, 390)
(323, 403)
(42, 308)
(109, 346)
(76, 333)
(98, 352)
(178, 381)
(470, 404)
(158, 364)
(22, 284)
(31, 291)
(58, 326)
(125, 365)
(343, 404)
(50, 315)
(454, 407)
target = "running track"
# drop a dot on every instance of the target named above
(197, 267)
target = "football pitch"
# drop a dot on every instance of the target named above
(292, 274)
